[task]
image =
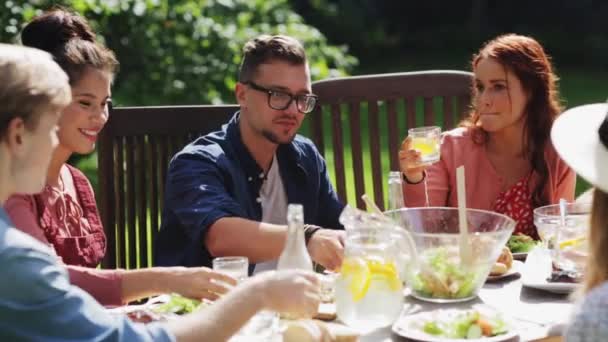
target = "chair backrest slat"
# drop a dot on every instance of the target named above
(448, 111)
(393, 134)
(338, 151)
(374, 147)
(356, 150)
(142, 199)
(429, 113)
(153, 180)
(463, 104)
(131, 201)
(120, 204)
(420, 92)
(317, 129)
(134, 152)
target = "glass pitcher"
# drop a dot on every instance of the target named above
(369, 290)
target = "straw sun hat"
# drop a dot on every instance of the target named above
(580, 136)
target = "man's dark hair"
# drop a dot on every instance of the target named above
(264, 49)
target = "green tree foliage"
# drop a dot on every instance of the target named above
(184, 51)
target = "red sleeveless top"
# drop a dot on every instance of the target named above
(72, 225)
(516, 202)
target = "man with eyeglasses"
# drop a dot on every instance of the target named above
(227, 192)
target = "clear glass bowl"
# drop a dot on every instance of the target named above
(435, 271)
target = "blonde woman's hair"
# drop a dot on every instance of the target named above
(597, 262)
(31, 83)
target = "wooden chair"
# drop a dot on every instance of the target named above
(360, 115)
(134, 152)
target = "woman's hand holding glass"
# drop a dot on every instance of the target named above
(198, 282)
(410, 162)
(418, 150)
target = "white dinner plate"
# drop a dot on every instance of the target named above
(410, 327)
(516, 267)
(537, 269)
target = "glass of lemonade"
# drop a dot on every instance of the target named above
(426, 140)
(369, 290)
(568, 243)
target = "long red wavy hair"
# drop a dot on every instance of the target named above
(527, 60)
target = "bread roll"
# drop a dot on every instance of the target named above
(498, 269)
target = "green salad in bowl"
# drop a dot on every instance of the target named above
(441, 277)
(446, 265)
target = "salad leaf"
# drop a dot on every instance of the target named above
(520, 243)
(465, 325)
(462, 324)
(432, 328)
(178, 305)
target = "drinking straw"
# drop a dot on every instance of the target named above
(562, 221)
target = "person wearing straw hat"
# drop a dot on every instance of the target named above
(580, 136)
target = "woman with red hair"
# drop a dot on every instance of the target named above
(511, 165)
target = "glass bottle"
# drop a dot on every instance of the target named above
(395, 191)
(294, 254)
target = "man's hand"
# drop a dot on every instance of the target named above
(326, 247)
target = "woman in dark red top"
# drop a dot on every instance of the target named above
(65, 214)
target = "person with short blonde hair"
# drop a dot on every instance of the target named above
(40, 81)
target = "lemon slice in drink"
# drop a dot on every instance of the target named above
(572, 242)
(358, 276)
(385, 271)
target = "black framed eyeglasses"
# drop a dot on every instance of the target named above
(281, 100)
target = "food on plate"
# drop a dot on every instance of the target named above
(317, 331)
(498, 269)
(144, 316)
(465, 325)
(521, 243)
(178, 305)
(442, 276)
(503, 264)
(562, 276)
(306, 331)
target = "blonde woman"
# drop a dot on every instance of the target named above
(581, 138)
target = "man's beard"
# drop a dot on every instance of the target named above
(273, 138)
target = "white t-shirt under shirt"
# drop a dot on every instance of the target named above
(273, 199)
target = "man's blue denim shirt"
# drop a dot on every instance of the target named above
(215, 176)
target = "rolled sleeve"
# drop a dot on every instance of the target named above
(197, 194)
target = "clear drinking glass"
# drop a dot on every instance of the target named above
(263, 326)
(426, 140)
(568, 244)
(235, 266)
